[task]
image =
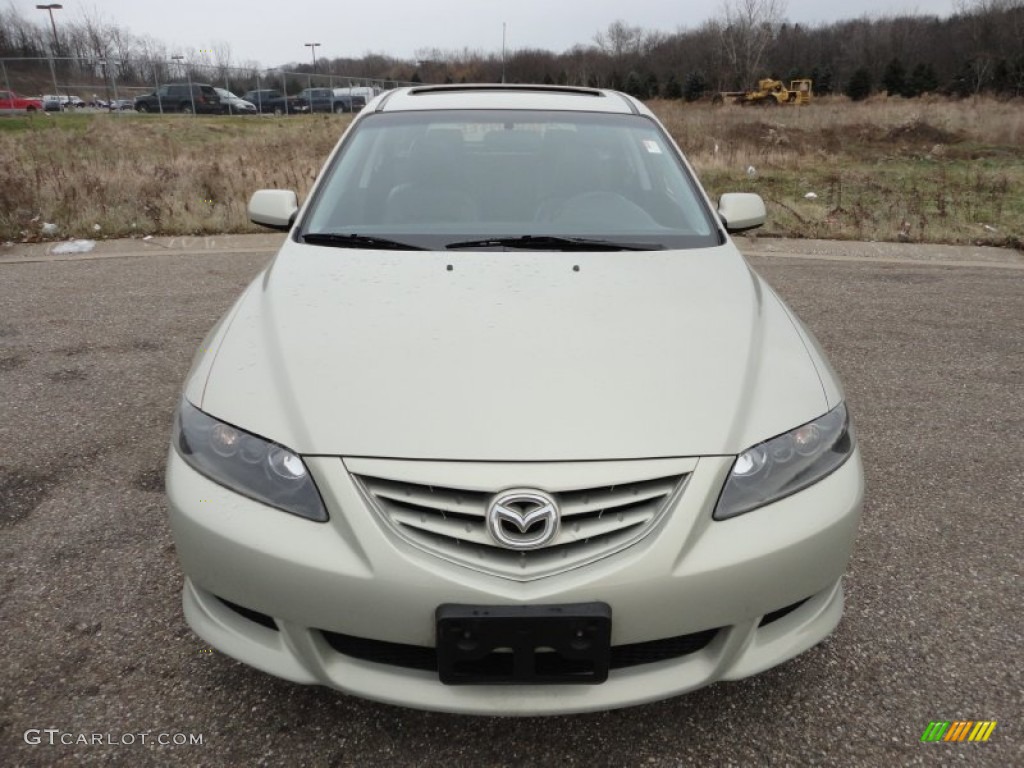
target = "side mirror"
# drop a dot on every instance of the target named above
(741, 211)
(274, 208)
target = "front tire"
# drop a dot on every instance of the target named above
(186, 109)
(142, 108)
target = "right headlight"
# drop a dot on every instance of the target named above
(246, 463)
(786, 464)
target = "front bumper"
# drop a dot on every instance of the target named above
(297, 586)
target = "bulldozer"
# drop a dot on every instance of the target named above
(769, 92)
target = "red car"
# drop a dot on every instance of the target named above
(12, 104)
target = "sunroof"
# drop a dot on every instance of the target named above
(564, 89)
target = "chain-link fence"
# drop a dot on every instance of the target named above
(67, 83)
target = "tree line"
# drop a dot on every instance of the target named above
(979, 48)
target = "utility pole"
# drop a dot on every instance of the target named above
(313, 47)
(54, 48)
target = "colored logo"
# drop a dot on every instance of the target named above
(959, 730)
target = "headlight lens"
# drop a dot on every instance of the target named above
(786, 464)
(246, 463)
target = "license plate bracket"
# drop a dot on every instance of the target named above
(523, 644)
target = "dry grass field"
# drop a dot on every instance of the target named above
(913, 170)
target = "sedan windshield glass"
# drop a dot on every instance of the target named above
(438, 178)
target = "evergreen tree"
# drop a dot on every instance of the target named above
(635, 86)
(922, 80)
(859, 86)
(826, 83)
(1001, 78)
(672, 88)
(651, 85)
(894, 79)
(961, 85)
(694, 86)
(416, 77)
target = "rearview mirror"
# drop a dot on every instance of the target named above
(741, 211)
(274, 208)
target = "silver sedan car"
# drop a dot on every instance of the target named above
(509, 426)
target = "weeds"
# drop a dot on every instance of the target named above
(889, 169)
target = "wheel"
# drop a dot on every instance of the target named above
(278, 111)
(339, 109)
(186, 109)
(142, 108)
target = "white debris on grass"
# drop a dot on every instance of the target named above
(751, 171)
(95, 227)
(811, 196)
(49, 229)
(74, 246)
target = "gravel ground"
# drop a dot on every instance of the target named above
(93, 351)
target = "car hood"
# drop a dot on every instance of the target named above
(510, 355)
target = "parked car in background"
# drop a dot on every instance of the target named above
(121, 105)
(359, 94)
(273, 101)
(51, 102)
(12, 104)
(325, 100)
(234, 104)
(182, 97)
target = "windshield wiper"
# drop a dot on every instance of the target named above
(554, 243)
(342, 240)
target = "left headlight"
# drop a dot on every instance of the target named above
(245, 463)
(786, 464)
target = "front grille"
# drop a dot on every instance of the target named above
(425, 658)
(451, 522)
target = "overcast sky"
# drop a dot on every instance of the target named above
(273, 32)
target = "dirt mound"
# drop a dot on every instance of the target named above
(921, 131)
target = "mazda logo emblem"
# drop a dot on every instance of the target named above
(522, 518)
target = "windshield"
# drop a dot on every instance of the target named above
(436, 178)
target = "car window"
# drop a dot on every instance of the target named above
(435, 177)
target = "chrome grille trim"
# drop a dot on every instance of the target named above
(450, 521)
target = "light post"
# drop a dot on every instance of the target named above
(313, 47)
(53, 25)
(188, 76)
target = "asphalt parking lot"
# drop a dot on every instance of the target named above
(928, 342)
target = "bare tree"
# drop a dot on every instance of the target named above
(620, 40)
(221, 52)
(746, 28)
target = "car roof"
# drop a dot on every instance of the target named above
(495, 96)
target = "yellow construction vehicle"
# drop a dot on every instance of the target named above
(769, 92)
